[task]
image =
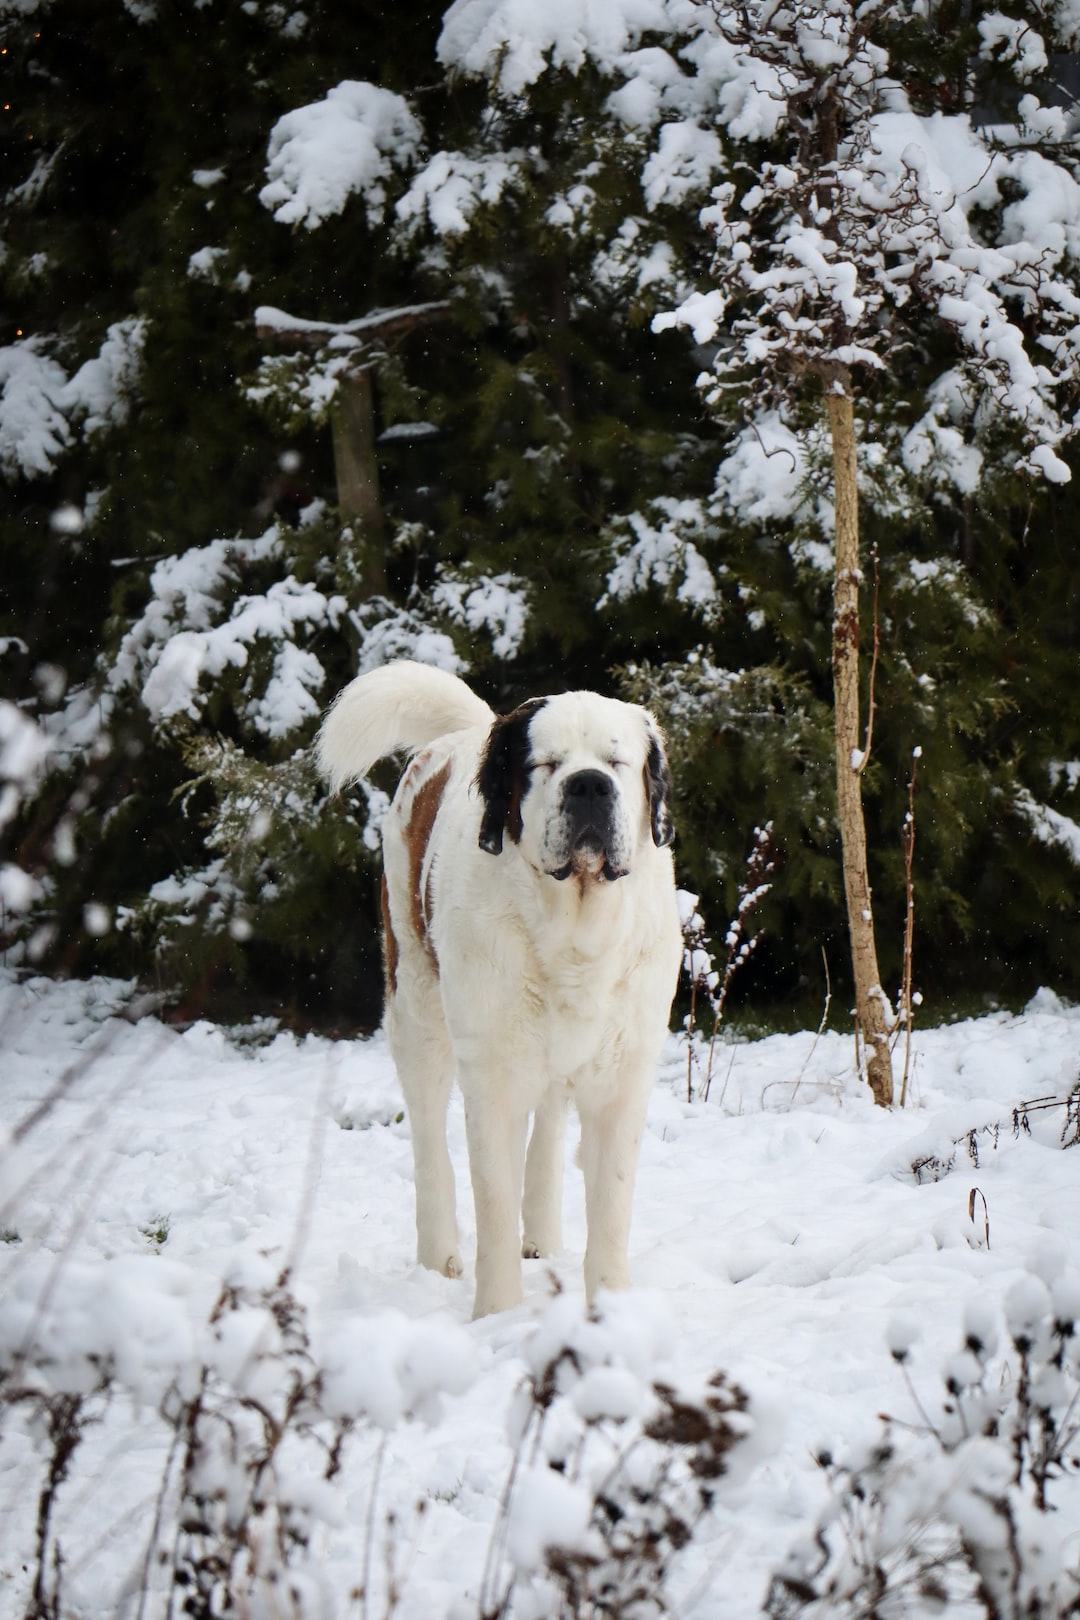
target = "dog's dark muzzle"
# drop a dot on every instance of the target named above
(589, 816)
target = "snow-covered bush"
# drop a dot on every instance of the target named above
(255, 1415)
(961, 1506)
(615, 1467)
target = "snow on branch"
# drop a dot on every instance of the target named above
(197, 625)
(350, 142)
(34, 431)
(658, 549)
(514, 42)
(303, 384)
(867, 216)
(453, 186)
(378, 324)
(1050, 826)
(39, 402)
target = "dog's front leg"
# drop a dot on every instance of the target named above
(541, 1208)
(610, 1143)
(496, 1135)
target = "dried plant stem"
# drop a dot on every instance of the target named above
(760, 864)
(369, 1528)
(821, 1026)
(164, 1492)
(977, 1192)
(691, 1026)
(907, 1011)
(65, 1422)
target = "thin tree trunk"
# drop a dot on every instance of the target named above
(871, 1007)
(352, 420)
(356, 469)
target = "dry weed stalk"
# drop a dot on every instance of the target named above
(704, 979)
(907, 998)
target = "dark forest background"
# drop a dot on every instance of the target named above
(533, 495)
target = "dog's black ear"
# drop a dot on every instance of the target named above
(658, 789)
(501, 777)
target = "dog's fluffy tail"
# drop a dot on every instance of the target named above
(399, 706)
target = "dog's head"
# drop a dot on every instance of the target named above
(580, 782)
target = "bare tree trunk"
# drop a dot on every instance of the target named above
(352, 420)
(871, 1007)
(356, 468)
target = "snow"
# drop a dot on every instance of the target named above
(18, 890)
(786, 1231)
(34, 432)
(24, 748)
(497, 604)
(451, 186)
(685, 160)
(548, 1511)
(1012, 40)
(662, 553)
(1050, 826)
(268, 319)
(350, 142)
(187, 635)
(101, 389)
(24, 757)
(205, 264)
(387, 632)
(38, 401)
(762, 476)
(518, 40)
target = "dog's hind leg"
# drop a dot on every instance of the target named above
(541, 1207)
(420, 1047)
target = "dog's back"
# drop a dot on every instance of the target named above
(402, 706)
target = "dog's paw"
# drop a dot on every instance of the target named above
(453, 1267)
(545, 1241)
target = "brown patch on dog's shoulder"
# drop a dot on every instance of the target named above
(422, 813)
(390, 944)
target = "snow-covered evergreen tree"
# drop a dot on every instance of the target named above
(158, 590)
(551, 505)
(893, 211)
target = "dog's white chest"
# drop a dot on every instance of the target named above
(573, 1029)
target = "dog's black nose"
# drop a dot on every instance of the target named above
(585, 787)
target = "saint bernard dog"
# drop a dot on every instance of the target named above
(532, 947)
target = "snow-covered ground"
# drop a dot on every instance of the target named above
(781, 1233)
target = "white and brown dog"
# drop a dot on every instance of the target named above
(532, 947)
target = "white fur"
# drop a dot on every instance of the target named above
(534, 991)
(381, 712)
